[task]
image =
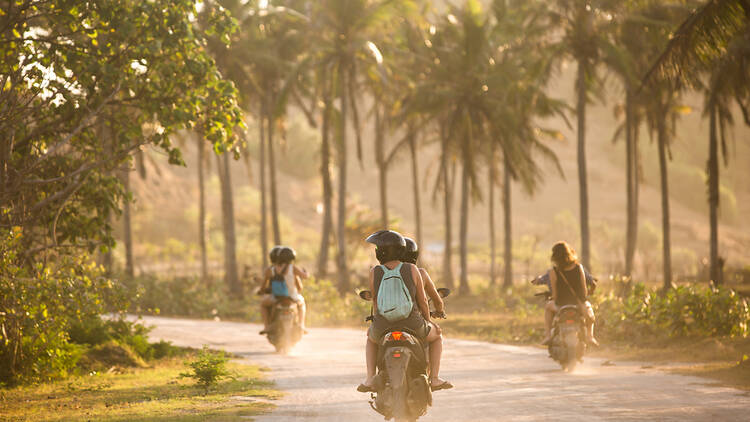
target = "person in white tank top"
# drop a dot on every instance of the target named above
(282, 259)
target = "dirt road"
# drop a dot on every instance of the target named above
(493, 382)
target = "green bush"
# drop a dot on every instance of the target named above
(208, 368)
(38, 304)
(692, 310)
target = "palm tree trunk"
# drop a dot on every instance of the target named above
(631, 225)
(463, 287)
(582, 180)
(666, 237)
(127, 227)
(230, 242)
(415, 183)
(202, 209)
(263, 206)
(343, 271)
(382, 168)
(447, 204)
(508, 258)
(491, 188)
(713, 194)
(325, 172)
(273, 191)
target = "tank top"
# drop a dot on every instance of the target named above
(289, 279)
(408, 281)
(564, 295)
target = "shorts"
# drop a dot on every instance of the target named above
(414, 324)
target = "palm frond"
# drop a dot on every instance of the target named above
(699, 41)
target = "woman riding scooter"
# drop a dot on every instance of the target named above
(568, 286)
(390, 248)
(282, 263)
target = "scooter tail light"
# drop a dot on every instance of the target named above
(396, 335)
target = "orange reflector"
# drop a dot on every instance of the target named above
(396, 335)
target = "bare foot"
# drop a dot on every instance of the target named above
(437, 384)
(366, 386)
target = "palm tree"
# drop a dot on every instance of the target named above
(325, 170)
(712, 40)
(202, 230)
(585, 35)
(491, 182)
(343, 32)
(227, 220)
(648, 24)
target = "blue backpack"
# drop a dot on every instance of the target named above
(394, 300)
(278, 283)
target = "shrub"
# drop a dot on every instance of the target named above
(38, 304)
(690, 310)
(208, 368)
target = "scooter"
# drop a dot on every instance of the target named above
(402, 382)
(284, 331)
(568, 344)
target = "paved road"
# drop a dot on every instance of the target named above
(493, 382)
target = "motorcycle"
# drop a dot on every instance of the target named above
(402, 382)
(284, 331)
(568, 344)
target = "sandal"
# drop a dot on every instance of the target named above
(445, 385)
(364, 388)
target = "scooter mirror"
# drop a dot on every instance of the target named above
(443, 292)
(365, 294)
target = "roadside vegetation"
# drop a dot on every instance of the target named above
(150, 393)
(91, 92)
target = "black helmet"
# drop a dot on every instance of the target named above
(286, 254)
(273, 255)
(386, 238)
(390, 245)
(411, 252)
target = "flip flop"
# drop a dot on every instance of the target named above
(362, 388)
(445, 385)
(263, 332)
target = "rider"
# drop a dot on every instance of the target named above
(410, 255)
(282, 263)
(390, 248)
(568, 286)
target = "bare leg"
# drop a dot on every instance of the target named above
(265, 311)
(436, 352)
(435, 342)
(302, 312)
(371, 353)
(549, 314)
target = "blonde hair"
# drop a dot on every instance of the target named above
(563, 255)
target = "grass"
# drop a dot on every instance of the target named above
(142, 394)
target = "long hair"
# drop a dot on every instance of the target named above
(563, 255)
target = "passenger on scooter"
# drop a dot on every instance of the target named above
(390, 248)
(568, 286)
(282, 263)
(411, 254)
